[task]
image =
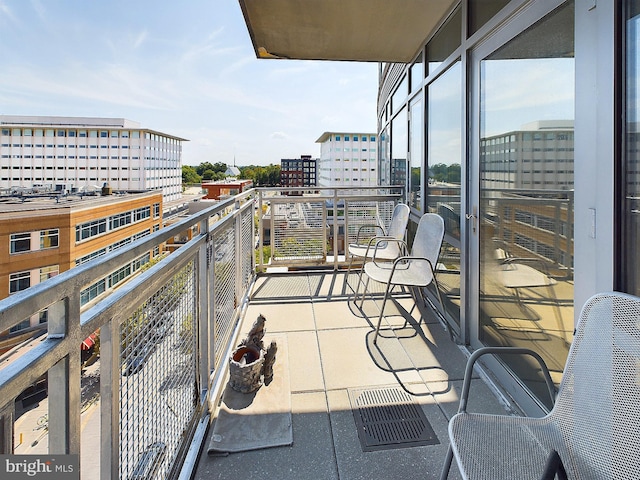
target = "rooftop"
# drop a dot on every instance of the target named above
(67, 121)
(43, 203)
(327, 135)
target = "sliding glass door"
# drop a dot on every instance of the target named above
(523, 207)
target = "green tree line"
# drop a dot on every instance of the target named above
(445, 173)
(262, 176)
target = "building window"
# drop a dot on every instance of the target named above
(20, 242)
(92, 292)
(91, 229)
(119, 220)
(48, 272)
(142, 213)
(49, 238)
(19, 281)
(21, 326)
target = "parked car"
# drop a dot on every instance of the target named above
(135, 362)
(149, 461)
(162, 326)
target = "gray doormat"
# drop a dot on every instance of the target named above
(388, 418)
(262, 419)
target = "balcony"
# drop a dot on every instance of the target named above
(147, 405)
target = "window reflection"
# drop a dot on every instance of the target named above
(631, 187)
(444, 148)
(481, 11)
(416, 74)
(526, 195)
(400, 94)
(415, 152)
(445, 41)
(383, 157)
(399, 145)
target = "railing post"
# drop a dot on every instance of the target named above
(260, 231)
(64, 380)
(237, 256)
(272, 242)
(7, 414)
(110, 400)
(204, 268)
(335, 230)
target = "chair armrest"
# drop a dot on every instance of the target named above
(372, 244)
(372, 226)
(464, 395)
(376, 241)
(408, 258)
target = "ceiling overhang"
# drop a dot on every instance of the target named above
(355, 30)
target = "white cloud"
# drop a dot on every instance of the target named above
(279, 136)
(199, 80)
(140, 39)
(7, 13)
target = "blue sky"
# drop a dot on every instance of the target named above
(182, 68)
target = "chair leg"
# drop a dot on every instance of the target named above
(437, 286)
(384, 302)
(349, 269)
(358, 284)
(414, 296)
(447, 464)
(364, 292)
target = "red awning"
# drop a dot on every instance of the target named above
(89, 342)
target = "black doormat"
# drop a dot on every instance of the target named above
(388, 418)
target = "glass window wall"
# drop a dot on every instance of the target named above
(416, 154)
(444, 157)
(526, 215)
(445, 42)
(399, 146)
(631, 167)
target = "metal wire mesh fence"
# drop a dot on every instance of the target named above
(158, 393)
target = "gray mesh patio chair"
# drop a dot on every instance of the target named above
(415, 270)
(364, 246)
(592, 431)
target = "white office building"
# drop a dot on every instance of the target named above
(537, 156)
(76, 153)
(347, 159)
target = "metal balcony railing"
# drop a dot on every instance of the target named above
(165, 333)
(307, 227)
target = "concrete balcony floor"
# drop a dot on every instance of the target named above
(330, 355)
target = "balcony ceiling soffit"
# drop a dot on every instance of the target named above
(355, 30)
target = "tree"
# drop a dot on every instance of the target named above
(219, 167)
(454, 173)
(204, 166)
(268, 176)
(438, 172)
(190, 175)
